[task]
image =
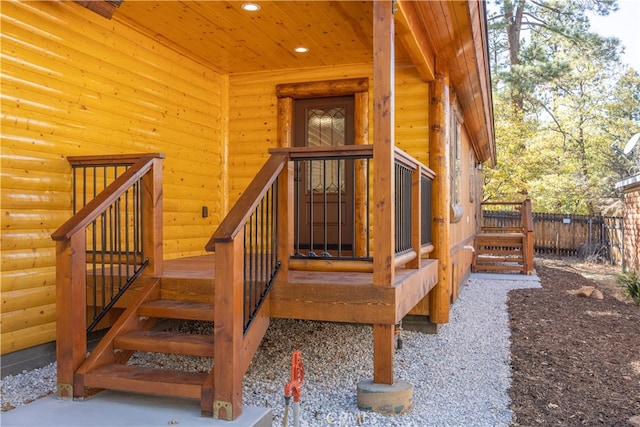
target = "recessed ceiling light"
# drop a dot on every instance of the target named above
(251, 7)
(301, 49)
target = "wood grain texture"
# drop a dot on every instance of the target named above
(441, 195)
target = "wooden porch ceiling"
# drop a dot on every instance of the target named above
(227, 39)
(230, 40)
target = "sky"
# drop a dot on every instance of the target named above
(625, 25)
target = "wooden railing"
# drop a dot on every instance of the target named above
(412, 209)
(111, 240)
(272, 194)
(246, 245)
(524, 225)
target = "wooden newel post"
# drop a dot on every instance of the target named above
(285, 218)
(527, 223)
(152, 217)
(71, 302)
(439, 146)
(228, 329)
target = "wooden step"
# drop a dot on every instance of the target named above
(494, 267)
(166, 342)
(499, 252)
(499, 239)
(177, 310)
(136, 379)
(498, 260)
(501, 229)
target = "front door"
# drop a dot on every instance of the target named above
(324, 217)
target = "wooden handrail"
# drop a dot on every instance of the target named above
(95, 207)
(242, 210)
(411, 162)
(303, 153)
(112, 159)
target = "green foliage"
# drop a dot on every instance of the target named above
(630, 284)
(561, 99)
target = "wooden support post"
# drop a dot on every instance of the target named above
(152, 217)
(285, 188)
(439, 146)
(228, 329)
(361, 107)
(383, 187)
(285, 115)
(71, 302)
(285, 219)
(383, 348)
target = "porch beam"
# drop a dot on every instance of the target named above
(383, 194)
(414, 37)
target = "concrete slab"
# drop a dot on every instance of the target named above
(111, 408)
(385, 399)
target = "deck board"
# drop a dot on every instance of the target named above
(195, 267)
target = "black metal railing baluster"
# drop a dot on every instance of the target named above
(260, 254)
(425, 197)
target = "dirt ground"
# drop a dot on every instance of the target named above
(575, 360)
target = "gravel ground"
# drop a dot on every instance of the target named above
(461, 376)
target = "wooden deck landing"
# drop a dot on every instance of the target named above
(329, 296)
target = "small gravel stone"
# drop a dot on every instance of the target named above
(460, 376)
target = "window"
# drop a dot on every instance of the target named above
(455, 162)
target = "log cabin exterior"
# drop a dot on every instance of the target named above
(189, 111)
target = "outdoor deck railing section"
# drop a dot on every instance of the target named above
(261, 252)
(247, 252)
(426, 214)
(114, 238)
(404, 208)
(100, 251)
(522, 223)
(331, 203)
(413, 215)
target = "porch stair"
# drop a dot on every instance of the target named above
(139, 329)
(499, 252)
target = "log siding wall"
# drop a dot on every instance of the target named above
(253, 115)
(74, 83)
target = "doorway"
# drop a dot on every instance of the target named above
(324, 187)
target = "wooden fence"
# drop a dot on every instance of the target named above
(599, 238)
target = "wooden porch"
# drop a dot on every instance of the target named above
(111, 274)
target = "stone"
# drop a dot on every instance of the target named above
(597, 294)
(634, 421)
(585, 291)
